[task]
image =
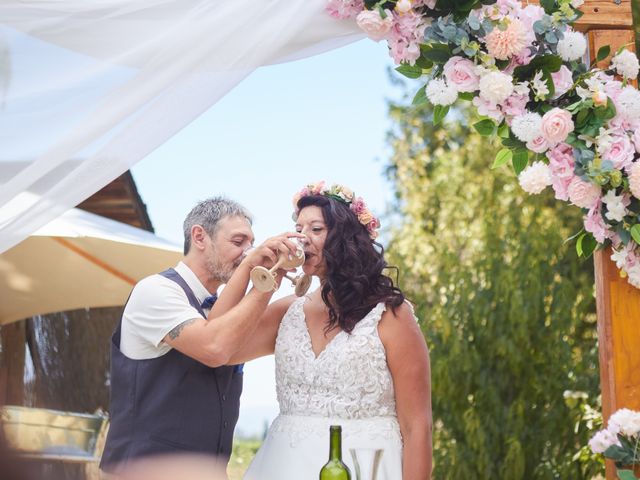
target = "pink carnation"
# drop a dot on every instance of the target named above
(503, 44)
(557, 124)
(561, 164)
(583, 194)
(488, 108)
(594, 223)
(515, 105)
(460, 72)
(344, 8)
(562, 81)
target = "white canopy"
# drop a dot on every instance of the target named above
(78, 260)
(88, 88)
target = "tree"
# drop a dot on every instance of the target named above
(507, 309)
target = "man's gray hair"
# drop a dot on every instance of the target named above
(208, 214)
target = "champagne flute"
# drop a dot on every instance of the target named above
(366, 462)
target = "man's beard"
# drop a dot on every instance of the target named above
(220, 272)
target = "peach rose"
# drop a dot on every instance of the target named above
(374, 25)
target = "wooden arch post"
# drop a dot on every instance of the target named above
(618, 303)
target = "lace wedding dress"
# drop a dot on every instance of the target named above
(347, 384)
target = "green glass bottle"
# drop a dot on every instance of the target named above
(334, 469)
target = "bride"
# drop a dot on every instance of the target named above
(349, 354)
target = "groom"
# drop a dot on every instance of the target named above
(171, 388)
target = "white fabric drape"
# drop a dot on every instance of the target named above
(89, 87)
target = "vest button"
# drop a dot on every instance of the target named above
(224, 398)
(225, 424)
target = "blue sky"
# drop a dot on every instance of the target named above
(323, 117)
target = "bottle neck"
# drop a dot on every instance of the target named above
(335, 446)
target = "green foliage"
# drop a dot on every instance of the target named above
(507, 308)
(241, 456)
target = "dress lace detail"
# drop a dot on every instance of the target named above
(349, 379)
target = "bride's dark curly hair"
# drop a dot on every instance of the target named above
(354, 282)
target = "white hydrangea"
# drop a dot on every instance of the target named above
(626, 64)
(628, 103)
(440, 93)
(496, 87)
(625, 421)
(616, 209)
(572, 46)
(634, 275)
(577, 3)
(527, 127)
(535, 178)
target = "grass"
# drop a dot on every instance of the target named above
(241, 456)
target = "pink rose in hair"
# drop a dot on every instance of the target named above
(460, 73)
(358, 206)
(557, 124)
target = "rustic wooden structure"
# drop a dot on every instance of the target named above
(119, 200)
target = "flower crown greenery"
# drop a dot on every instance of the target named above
(345, 195)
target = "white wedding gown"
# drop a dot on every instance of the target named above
(348, 384)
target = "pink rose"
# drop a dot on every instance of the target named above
(374, 25)
(562, 81)
(583, 194)
(538, 145)
(460, 72)
(594, 223)
(358, 206)
(556, 125)
(620, 151)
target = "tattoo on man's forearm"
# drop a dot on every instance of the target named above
(175, 333)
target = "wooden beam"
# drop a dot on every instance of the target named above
(617, 302)
(609, 14)
(12, 339)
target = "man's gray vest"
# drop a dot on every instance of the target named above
(170, 404)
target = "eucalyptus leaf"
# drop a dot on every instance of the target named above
(626, 475)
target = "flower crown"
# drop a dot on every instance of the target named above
(345, 195)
